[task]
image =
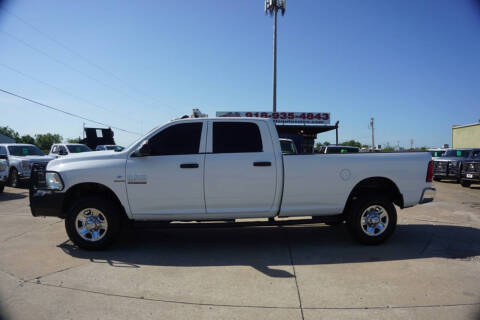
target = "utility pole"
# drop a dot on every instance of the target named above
(272, 7)
(411, 144)
(373, 133)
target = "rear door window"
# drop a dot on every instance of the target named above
(236, 137)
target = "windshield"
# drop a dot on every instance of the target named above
(287, 147)
(437, 153)
(457, 153)
(72, 148)
(22, 151)
(341, 150)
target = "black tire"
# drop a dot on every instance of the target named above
(360, 206)
(2, 186)
(111, 214)
(13, 180)
(465, 184)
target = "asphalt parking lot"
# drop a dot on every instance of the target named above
(429, 269)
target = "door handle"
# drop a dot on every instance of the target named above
(189, 165)
(262, 164)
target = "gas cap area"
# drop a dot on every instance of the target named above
(345, 174)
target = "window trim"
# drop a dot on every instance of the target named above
(203, 138)
(263, 139)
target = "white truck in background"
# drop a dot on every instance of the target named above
(225, 169)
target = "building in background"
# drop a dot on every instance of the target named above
(301, 127)
(466, 136)
(5, 139)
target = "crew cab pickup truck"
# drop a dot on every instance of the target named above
(62, 149)
(21, 158)
(450, 165)
(226, 169)
(471, 170)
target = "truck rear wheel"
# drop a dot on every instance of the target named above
(372, 219)
(93, 223)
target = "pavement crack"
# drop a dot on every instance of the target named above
(429, 241)
(16, 236)
(55, 272)
(251, 306)
(294, 272)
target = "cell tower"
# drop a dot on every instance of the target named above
(272, 7)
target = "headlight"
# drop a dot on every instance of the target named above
(3, 166)
(26, 165)
(53, 181)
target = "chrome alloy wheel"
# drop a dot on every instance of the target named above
(91, 224)
(374, 220)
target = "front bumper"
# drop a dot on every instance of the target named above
(46, 203)
(43, 201)
(428, 195)
(471, 177)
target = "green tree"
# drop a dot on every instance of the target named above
(26, 139)
(9, 132)
(388, 148)
(326, 143)
(74, 140)
(45, 141)
(352, 143)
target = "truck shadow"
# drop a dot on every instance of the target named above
(5, 195)
(266, 248)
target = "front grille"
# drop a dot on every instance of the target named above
(440, 166)
(471, 167)
(38, 176)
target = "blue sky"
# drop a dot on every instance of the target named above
(412, 65)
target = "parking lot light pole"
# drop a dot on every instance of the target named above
(272, 7)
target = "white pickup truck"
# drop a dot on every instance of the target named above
(226, 169)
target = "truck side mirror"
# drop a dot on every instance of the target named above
(144, 150)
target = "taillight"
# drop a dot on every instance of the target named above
(429, 172)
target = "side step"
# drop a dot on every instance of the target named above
(264, 222)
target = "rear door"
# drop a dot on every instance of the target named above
(240, 169)
(170, 180)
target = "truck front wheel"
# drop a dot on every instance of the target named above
(372, 219)
(93, 223)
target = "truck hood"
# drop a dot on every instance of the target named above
(58, 163)
(33, 159)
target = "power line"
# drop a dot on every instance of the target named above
(57, 88)
(69, 66)
(73, 52)
(66, 112)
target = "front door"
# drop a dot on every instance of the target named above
(170, 180)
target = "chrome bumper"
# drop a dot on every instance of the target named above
(427, 195)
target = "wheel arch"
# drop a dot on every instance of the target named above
(373, 185)
(84, 189)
